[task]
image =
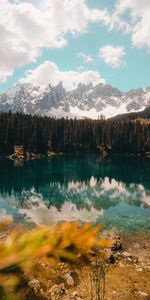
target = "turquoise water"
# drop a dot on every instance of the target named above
(115, 191)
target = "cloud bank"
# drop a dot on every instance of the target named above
(48, 72)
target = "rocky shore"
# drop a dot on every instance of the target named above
(127, 273)
(126, 269)
(128, 277)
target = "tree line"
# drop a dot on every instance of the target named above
(41, 134)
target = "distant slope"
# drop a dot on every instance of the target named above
(141, 115)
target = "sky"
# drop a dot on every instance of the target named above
(48, 41)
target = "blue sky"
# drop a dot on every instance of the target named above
(111, 39)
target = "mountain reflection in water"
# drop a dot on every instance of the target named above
(113, 190)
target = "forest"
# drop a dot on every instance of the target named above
(123, 135)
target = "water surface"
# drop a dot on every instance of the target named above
(115, 191)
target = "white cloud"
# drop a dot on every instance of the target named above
(28, 26)
(112, 55)
(139, 21)
(48, 72)
(130, 16)
(103, 16)
(112, 21)
(86, 58)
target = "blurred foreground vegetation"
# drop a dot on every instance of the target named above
(18, 248)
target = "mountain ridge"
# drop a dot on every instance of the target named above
(85, 101)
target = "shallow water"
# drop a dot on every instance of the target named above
(115, 191)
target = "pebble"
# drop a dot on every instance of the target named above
(121, 265)
(136, 245)
(57, 291)
(110, 257)
(34, 283)
(114, 293)
(75, 296)
(69, 279)
(43, 265)
(139, 270)
(143, 295)
(126, 254)
(129, 259)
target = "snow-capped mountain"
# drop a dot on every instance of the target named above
(84, 101)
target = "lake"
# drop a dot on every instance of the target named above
(112, 190)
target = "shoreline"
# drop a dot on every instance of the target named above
(34, 156)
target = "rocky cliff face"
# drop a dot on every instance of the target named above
(84, 101)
